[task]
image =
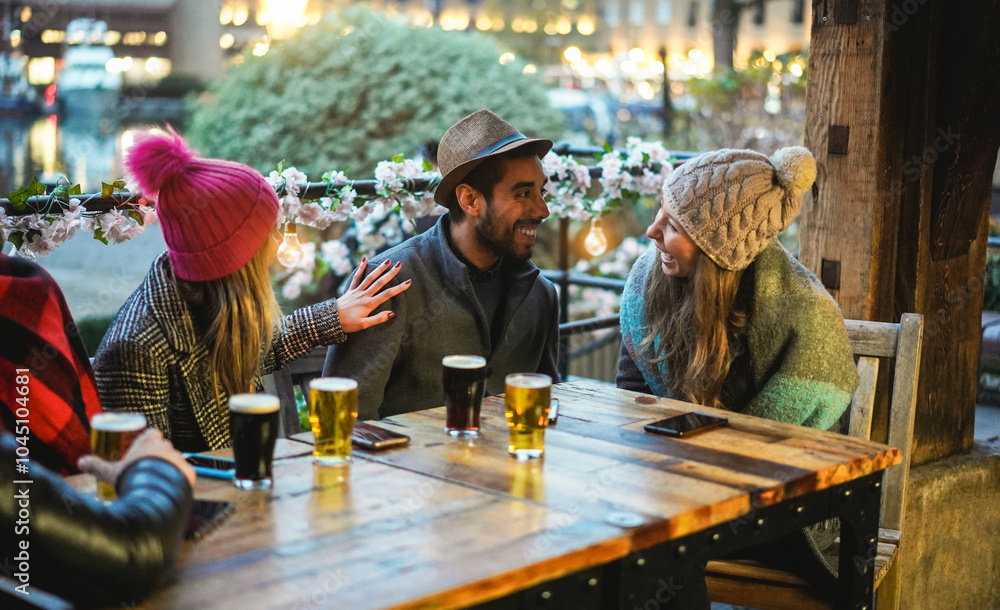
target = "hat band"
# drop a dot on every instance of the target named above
(492, 148)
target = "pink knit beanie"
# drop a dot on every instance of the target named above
(214, 214)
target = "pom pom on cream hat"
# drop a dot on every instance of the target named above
(734, 202)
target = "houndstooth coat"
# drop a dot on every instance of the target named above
(151, 361)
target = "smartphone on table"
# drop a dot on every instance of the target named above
(375, 437)
(687, 424)
(212, 467)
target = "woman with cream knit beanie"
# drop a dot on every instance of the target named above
(718, 313)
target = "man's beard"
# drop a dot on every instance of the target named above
(501, 241)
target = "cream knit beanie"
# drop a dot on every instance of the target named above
(734, 202)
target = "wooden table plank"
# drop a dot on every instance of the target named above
(342, 534)
(600, 461)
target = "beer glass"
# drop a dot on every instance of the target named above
(528, 398)
(464, 379)
(253, 421)
(333, 406)
(111, 434)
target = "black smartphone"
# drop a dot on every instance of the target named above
(374, 437)
(686, 424)
(205, 515)
(214, 467)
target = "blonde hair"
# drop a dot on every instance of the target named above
(237, 315)
(694, 318)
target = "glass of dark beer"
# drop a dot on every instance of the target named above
(464, 385)
(254, 424)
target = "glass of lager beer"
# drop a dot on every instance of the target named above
(111, 434)
(464, 380)
(528, 399)
(333, 406)
(254, 423)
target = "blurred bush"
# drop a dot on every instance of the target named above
(92, 330)
(359, 88)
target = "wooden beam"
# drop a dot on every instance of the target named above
(967, 133)
(901, 117)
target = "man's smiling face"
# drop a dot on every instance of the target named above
(515, 210)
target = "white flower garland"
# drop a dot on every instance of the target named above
(41, 233)
(375, 222)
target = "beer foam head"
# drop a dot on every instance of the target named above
(118, 422)
(464, 362)
(333, 384)
(253, 403)
(528, 380)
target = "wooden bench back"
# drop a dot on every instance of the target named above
(900, 342)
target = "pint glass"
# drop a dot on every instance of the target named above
(333, 405)
(111, 434)
(464, 379)
(254, 423)
(528, 399)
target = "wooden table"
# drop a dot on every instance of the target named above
(603, 521)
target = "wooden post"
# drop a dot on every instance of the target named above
(902, 119)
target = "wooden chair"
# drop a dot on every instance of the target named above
(753, 584)
(282, 384)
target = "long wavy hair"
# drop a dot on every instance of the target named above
(694, 318)
(237, 315)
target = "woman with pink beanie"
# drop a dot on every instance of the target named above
(205, 324)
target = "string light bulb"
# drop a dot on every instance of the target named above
(290, 250)
(596, 242)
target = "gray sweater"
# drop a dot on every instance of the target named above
(398, 364)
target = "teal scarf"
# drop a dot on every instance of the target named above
(801, 367)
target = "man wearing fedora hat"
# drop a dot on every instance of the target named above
(474, 289)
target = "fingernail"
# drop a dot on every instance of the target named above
(408, 282)
(364, 260)
(399, 264)
(392, 314)
(387, 261)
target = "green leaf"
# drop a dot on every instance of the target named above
(428, 166)
(136, 216)
(16, 238)
(99, 236)
(327, 175)
(645, 157)
(19, 198)
(75, 190)
(398, 158)
(607, 147)
(281, 166)
(107, 190)
(61, 192)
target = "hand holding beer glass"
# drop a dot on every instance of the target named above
(333, 407)
(464, 379)
(111, 434)
(528, 399)
(254, 423)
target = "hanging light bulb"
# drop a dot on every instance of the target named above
(596, 242)
(290, 250)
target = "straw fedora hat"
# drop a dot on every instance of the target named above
(471, 141)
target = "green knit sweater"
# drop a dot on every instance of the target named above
(797, 366)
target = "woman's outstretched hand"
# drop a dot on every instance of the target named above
(363, 297)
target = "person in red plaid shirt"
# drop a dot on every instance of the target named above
(39, 341)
